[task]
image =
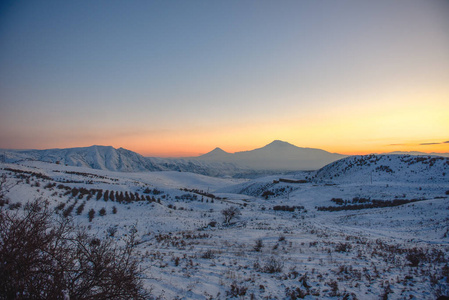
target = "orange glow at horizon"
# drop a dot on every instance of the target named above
(191, 151)
(401, 121)
(412, 124)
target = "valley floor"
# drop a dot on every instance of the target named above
(287, 241)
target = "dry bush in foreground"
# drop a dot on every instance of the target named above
(43, 258)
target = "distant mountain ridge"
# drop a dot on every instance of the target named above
(277, 155)
(419, 153)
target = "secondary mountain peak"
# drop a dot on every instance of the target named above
(216, 153)
(218, 150)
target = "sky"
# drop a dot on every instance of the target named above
(179, 78)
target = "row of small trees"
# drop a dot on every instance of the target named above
(101, 212)
(287, 208)
(124, 197)
(107, 195)
(373, 204)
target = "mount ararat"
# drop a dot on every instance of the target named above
(277, 155)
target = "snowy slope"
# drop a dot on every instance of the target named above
(187, 251)
(109, 158)
(95, 157)
(386, 168)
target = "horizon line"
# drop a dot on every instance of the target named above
(194, 154)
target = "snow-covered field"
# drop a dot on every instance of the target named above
(290, 241)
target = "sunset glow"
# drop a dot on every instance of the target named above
(180, 78)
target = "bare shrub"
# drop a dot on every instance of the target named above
(14, 206)
(91, 214)
(230, 213)
(295, 293)
(79, 209)
(343, 247)
(208, 254)
(102, 212)
(334, 288)
(236, 290)
(272, 266)
(417, 255)
(60, 206)
(258, 246)
(387, 290)
(445, 272)
(44, 258)
(112, 231)
(68, 211)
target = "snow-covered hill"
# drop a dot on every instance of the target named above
(387, 168)
(281, 246)
(111, 159)
(95, 157)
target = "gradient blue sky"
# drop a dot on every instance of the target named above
(173, 78)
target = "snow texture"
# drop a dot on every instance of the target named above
(281, 246)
